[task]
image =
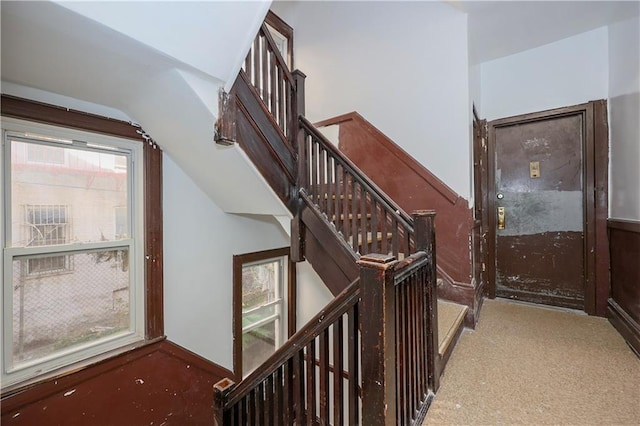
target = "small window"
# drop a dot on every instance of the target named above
(69, 232)
(261, 296)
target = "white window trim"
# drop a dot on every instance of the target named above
(67, 360)
(281, 302)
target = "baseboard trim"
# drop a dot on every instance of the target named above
(626, 326)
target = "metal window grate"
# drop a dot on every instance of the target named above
(47, 225)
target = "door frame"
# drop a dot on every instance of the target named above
(595, 195)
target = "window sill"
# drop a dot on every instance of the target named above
(87, 366)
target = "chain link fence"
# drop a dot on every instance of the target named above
(85, 301)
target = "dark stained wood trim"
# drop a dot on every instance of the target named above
(154, 261)
(397, 151)
(626, 326)
(283, 28)
(601, 190)
(55, 115)
(238, 261)
(623, 308)
(12, 106)
(624, 225)
(595, 189)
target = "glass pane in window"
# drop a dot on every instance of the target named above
(82, 301)
(80, 199)
(259, 284)
(257, 345)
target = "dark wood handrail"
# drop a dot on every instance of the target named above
(380, 196)
(439, 186)
(327, 316)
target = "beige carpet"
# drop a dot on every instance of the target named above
(530, 365)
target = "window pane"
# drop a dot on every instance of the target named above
(257, 345)
(81, 199)
(259, 284)
(57, 311)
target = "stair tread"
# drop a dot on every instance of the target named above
(450, 319)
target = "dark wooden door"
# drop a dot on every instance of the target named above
(539, 182)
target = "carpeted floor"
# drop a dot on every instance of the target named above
(531, 365)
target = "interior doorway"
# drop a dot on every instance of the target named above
(546, 199)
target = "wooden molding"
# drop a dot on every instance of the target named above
(153, 246)
(428, 177)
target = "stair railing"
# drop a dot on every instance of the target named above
(314, 375)
(267, 71)
(368, 358)
(365, 217)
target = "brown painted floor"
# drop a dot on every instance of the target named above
(532, 365)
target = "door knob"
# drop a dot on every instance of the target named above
(501, 215)
(500, 196)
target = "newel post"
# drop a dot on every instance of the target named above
(298, 143)
(424, 226)
(220, 392)
(378, 349)
(299, 77)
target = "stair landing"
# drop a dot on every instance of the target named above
(450, 326)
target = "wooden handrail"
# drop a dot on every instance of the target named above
(361, 213)
(380, 196)
(319, 323)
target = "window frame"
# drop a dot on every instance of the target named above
(150, 260)
(288, 298)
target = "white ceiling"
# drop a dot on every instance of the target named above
(501, 28)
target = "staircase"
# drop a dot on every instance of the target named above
(372, 356)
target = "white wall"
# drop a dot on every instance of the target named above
(564, 73)
(624, 121)
(199, 242)
(313, 294)
(402, 65)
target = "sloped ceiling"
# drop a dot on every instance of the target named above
(160, 63)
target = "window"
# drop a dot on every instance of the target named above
(73, 283)
(262, 312)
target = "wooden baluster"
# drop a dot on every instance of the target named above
(324, 377)
(377, 319)
(338, 384)
(330, 188)
(289, 414)
(344, 202)
(299, 386)
(363, 221)
(354, 212)
(312, 395)
(395, 250)
(278, 398)
(425, 239)
(354, 356)
(403, 350)
(412, 314)
(322, 176)
(273, 92)
(260, 404)
(340, 195)
(264, 56)
(255, 80)
(248, 64)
